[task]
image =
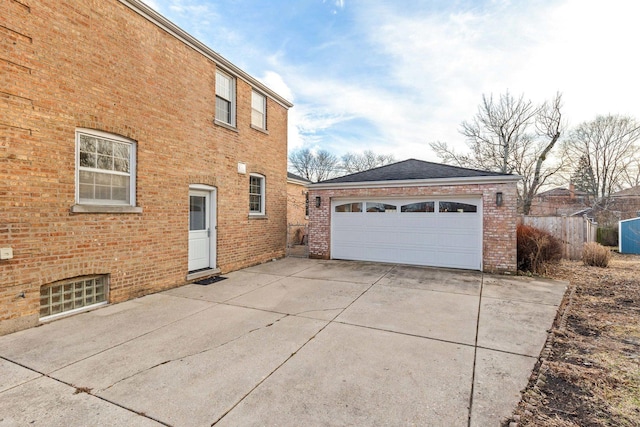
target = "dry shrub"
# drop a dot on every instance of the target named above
(536, 249)
(596, 255)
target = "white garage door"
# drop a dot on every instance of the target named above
(435, 232)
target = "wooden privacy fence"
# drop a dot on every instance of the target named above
(572, 231)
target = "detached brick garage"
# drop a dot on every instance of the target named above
(416, 212)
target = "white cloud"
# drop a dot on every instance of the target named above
(427, 64)
(152, 4)
(440, 64)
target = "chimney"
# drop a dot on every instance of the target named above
(572, 191)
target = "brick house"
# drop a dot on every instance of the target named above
(133, 158)
(416, 212)
(297, 199)
(626, 203)
(560, 201)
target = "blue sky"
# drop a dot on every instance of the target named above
(392, 76)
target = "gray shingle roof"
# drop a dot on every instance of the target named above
(629, 192)
(413, 169)
(298, 177)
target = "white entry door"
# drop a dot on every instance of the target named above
(201, 229)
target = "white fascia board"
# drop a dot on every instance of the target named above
(417, 182)
(297, 181)
(151, 15)
(628, 219)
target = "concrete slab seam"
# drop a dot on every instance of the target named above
(25, 367)
(475, 353)
(133, 338)
(186, 356)
(295, 352)
(79, 390)
(407, 334)
(521, 301)
(430, 290)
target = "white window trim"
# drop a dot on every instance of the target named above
(262, 193)
(105, 206)
(232, 101)
(262, 126)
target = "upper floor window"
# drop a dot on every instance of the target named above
(258, 110)
(105, 169)
(256, 194)
(225, 98)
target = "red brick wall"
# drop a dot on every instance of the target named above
(499, 223)
(99, 65)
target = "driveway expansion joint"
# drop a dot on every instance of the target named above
(187, 356)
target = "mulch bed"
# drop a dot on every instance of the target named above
(589, 372)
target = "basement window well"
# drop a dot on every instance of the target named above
(72, 295)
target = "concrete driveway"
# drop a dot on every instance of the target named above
(295, 342)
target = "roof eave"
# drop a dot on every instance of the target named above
(171, 28)
(417, 182)
(297, 181)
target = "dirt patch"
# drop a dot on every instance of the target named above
(589, 372)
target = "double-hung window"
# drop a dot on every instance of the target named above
(258, 110)
(105, 169)
(225, 99)
(256, 194)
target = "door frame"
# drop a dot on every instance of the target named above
(212, 221)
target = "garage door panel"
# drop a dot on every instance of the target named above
(445, 239)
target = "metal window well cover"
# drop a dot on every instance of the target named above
(209, 280)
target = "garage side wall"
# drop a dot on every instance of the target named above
(499, 222)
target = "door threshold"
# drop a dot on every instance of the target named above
(202, 273)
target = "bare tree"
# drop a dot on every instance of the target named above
(302, 162)
(631, 174)
(610, 146)
(512, 135)
(325, 165)
(316, 166)
(354, 162)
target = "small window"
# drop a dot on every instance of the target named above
(105, 172)
(306, 204)
(418, 207)
(381, 207)
(225, 98)
(197, 213)
(349, 207)
(258, 110)
(457, 207)
(72, 294)
(256, 195)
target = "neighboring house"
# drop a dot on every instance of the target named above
(297, 199)
(560, 201)
(133, 159)
(622, 205)
(416, 212)
(626, 203)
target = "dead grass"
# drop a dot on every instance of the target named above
(591, 375)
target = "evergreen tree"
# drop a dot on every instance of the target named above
(583, 178)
